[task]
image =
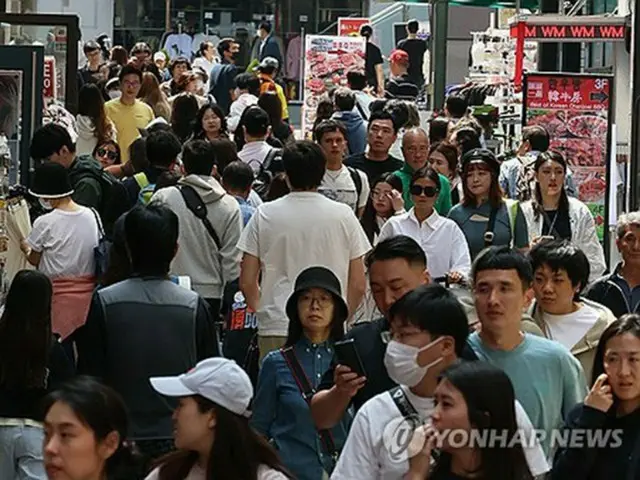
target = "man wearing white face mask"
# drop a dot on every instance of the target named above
(429, 331)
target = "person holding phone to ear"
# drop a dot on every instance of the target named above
(611, 407)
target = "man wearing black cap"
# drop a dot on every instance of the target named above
(90, 73)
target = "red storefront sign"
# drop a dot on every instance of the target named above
(49, 90)
(590, 32)
(348, 26)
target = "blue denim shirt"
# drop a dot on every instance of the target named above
(246, 209)
(282, 415)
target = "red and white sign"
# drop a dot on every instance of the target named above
(49, 90)
(350, 27)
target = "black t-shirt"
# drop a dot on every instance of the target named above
(561, 224)
(373, 57)
(373, 168)
(90, 76)
(402, 88)
(416, 49)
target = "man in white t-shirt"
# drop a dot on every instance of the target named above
(429, 331)
(300, 230)
(560, 272)
(340, 183)
(256, 130)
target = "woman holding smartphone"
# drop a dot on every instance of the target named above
(552, 213)
(612, 406)
(317, 313)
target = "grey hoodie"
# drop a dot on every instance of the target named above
(198, 256)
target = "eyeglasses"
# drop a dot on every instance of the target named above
(132, 84)
(417, 190)
(103, 152)
(323, 301)
(376, 195)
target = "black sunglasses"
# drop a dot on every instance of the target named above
(417, 190)
(108, 153)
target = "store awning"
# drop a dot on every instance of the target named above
(528, 4)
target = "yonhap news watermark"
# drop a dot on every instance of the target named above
(403, 438)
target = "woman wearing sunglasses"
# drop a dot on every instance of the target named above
(441, 239)
(484, 215)
(107, 153)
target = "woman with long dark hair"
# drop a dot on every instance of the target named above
(32, 362)
(317, 313)
(210, 124)
(443, 242)
(151, 94)
(185, 109)
(384, 202)
(271, 104)
(484, 215)
(474, 400)
(212, 432)
(613, 405)
(93, 125)
(552, 213)
(86, 433)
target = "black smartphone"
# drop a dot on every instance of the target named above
(347, 355)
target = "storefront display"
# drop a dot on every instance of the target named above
(350, 26)
(328, 59)
(576, 111)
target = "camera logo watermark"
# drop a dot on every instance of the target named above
(403, 439)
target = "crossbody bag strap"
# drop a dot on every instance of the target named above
(489, 234)
(307, 391)
(199, 209)
(551, 224)
(99, 222)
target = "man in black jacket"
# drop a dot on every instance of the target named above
(620, 291)
(91, 185)
(146, 326)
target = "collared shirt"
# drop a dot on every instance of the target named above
(281, 413)
(441, 239)
(632, 295)
(254, 154)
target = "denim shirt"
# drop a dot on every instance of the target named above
(282, 415)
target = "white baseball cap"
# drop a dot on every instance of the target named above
(217, 379)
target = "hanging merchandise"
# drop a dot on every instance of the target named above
(493, 54)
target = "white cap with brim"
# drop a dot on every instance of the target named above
(217, 379)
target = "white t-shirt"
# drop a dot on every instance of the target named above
(66, 241)
(288, 235)
(198, 473)
(368, 453)
(571, 328)
(254, 153)
(338, 185)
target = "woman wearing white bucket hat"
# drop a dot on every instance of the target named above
(214, 402)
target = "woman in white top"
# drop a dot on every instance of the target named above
(441, 239)
(384, 202)
(92, 123)
(61, 245)
(211, 427)
(552, 213)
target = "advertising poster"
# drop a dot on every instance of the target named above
(50, 80)
(576, 111)
(328, 59)
(350, 26)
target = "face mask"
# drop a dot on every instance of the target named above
(401, 362)
(113, 94)
(235, 56)
(45, 204)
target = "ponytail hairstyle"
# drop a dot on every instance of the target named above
(102, 410)
(538, 207)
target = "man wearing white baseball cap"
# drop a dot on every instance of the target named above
(215, 399)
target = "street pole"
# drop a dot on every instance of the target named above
(439, 52)
(634, 169)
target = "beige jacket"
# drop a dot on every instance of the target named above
(585, 349)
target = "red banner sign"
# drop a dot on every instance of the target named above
(349, 27)
(576, 111)
(602, 32)
(49, 90)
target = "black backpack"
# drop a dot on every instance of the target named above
(271, 166)
(106, 180)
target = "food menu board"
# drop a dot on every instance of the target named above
(350, 26)
(576, 111)
(328, 59)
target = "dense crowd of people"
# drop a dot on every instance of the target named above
(211, 298)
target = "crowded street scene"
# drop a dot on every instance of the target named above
(394, 241)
